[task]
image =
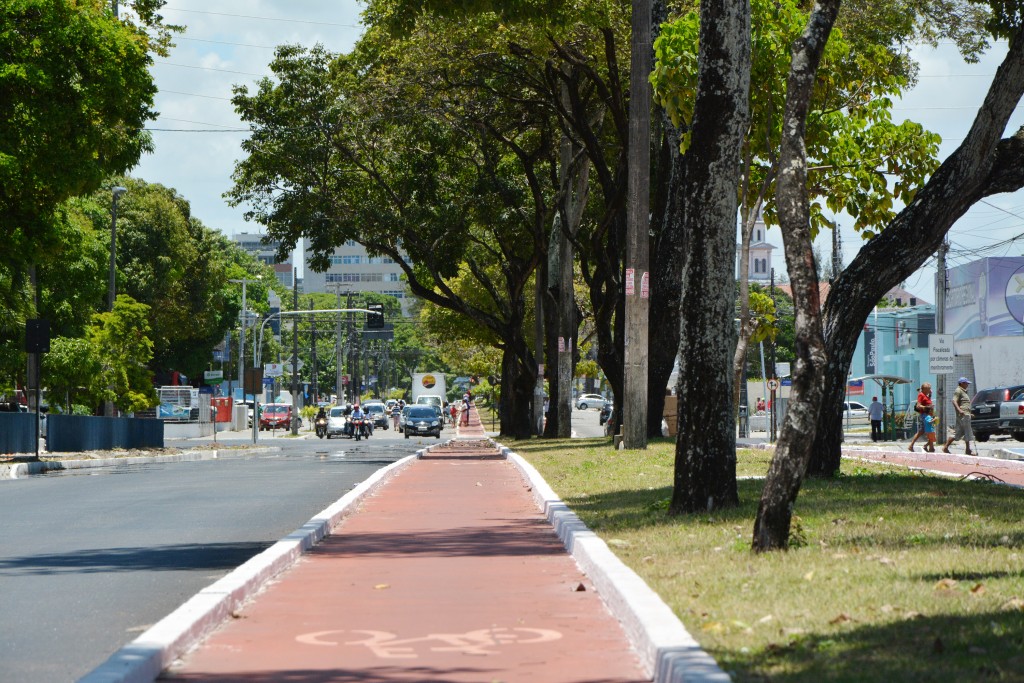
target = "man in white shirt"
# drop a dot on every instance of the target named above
(875, 412)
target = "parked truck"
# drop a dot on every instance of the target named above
(429, 384)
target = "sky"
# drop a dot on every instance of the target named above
(197, 136)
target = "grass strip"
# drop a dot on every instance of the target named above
(893, 575)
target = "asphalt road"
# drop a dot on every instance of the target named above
(91, 558)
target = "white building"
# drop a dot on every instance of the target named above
(985, 314)
(253, 243)
(759, 264)
(357, 271)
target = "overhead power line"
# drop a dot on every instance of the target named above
(249, 16)
(210, 68)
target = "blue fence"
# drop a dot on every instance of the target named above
(16, 431)
(72, 433)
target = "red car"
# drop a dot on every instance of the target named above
(276, 416)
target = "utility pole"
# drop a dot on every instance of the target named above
(241, 334)
(295, 353)
(771, 367)
(337, 287)
(351, 352)
(940, 328)
(638, 284)
(312, 352)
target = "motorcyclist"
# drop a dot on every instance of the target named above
(320, 422)
(357, 414)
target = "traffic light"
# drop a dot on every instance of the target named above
(375, 320)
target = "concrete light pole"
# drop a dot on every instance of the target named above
(111, 288)
(108, 408)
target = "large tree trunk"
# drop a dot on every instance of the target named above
(982, 166)
(667, 256)
(705, 463)
(786, 472)
(518, 375)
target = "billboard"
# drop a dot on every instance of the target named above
(985, 298)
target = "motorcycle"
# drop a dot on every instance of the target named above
(321, 426)
(360, 428)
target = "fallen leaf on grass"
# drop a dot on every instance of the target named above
(713, 627)
(765, 619)
(979, 589)
(809, 576)
(887, 609)
(945, 584)
(886, 561)
(1014, 604)
(841, 619)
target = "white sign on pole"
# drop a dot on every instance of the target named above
(782, 368)
(941, 354)
(273, 369)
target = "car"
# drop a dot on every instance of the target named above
(988, 416)
(606, 412)
(376, 412)
(585, 401)
(854, 411)
(276, 416)
(422, 419)
(336, 421)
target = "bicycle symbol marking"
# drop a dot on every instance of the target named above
(389, 646)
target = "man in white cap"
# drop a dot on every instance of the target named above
(962, 406)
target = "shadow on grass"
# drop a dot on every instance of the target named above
(909, 501)
(980, 647)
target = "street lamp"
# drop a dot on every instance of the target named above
(111, 291)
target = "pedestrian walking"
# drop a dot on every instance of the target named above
(875, 413)
(924, 401)
(962, 406)
(396, 413)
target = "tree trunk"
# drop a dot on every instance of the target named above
(518, 375)
(667, 257)
(786, 472)
(982, 166)
(705, 462)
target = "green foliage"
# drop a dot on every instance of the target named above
(859, 160)
(121, 342)
(71, 373)
(77, 94)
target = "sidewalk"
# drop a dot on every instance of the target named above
(446, 572)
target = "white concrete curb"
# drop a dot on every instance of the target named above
(668, 652)
(142, 660)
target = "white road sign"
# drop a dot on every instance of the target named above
(273, 369)
(941, 354)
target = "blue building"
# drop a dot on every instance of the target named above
(894, 342)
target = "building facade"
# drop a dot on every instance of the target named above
(356, 271)
(759, 262)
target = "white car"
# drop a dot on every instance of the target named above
(336, 421)
(854, 411)
(585, 401)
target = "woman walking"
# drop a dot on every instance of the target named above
(924, 402)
